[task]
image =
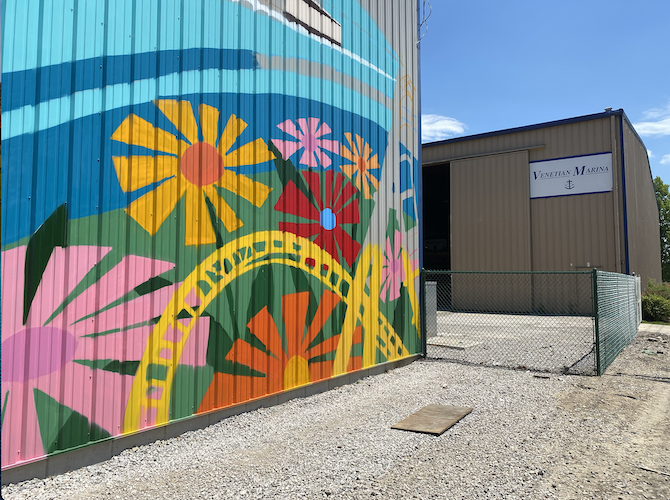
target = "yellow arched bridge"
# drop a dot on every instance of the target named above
(149, 402)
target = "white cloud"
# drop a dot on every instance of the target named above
(437, 127)
(656, 124)
(650, 154)
(656, 113)
(665, 160)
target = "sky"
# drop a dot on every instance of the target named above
(494, 64)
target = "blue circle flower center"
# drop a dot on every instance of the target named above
(328, 220)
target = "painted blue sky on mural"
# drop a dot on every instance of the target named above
(81, 87)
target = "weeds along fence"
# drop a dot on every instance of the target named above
(561, 322)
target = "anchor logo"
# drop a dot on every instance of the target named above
(569, 185)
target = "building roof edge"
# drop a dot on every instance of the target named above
(565, 121)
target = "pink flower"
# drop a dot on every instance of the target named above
(308, 138)
(393, 269)
(59, 360)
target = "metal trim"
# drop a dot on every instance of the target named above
(568, 157)
(623, 189)
(479, 155)
(562, 195)
(565, 121)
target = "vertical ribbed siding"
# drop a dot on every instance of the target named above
(560, 141)
(490, 214)
(643, 229)
(567, 232)
(571, 233)
(490, 227)
(203, 203)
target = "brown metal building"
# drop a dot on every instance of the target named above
(559, 196)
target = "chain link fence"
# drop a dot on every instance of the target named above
(560, 322)
(619, 313)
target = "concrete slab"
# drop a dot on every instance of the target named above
(433, 419)
(452, 342)
(652, 328)
(92, 454)
(26, 470)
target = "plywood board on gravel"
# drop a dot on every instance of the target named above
(433, 419)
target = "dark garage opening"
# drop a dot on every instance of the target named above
(436, 217)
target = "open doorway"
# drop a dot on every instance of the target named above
(436, 217)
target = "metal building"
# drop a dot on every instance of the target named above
(565, 195)
(206, 204)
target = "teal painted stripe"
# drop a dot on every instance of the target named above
(133, 27)
(58, 111)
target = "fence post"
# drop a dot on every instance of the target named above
(424, 333)
(595, 315)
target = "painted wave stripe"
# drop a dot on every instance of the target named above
(132, 26)
(52, 82)
(31, 119)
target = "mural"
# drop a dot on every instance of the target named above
(201, 205)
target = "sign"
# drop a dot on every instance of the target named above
(568, 176)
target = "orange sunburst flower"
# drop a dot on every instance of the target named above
(285, 363)
(193, 168)
(359, 153)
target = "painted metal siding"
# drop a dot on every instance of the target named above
(567, 232)
(643, 229)
(490, 228)
(572, 139)
(203, 202)
(490, 214)
(573, 233)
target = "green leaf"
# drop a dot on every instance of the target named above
(218, 346)
(110, 365)
(4, 407)
(51, 234)
(214, 219)
(402, 321)
(151, 285)
(288, 173)
(189, 387)
(262, 291)
(93, 335)
(62, 428)
(302, 284)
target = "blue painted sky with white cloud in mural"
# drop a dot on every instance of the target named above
(489, 65)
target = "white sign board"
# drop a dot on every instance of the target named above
(568, 176)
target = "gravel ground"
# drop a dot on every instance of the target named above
(527, 437)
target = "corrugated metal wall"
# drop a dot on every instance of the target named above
(567, 232)
(490, 231)
(203, 202)
(572, 139)
(490, 225)
(644, 249)
(572, 233)
(489, 210)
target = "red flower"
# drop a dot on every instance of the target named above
(329, 212)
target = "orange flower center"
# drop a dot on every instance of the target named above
(202, 164)
(362, 165)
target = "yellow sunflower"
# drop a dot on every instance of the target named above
(191, 167)
(359, 153)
